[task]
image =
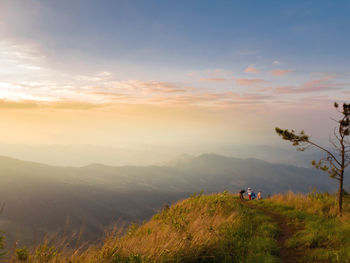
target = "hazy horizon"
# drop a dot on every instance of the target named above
(79, 155)
(170, 73)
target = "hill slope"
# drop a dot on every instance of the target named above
(221, 228)
(213, 228)
(40, 198)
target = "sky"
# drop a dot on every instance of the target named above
(179, 72)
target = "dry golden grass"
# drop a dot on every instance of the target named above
(323, 204)
(185, 228)
(202, 228)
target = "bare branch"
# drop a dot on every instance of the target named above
(335, 134)
(330, 161)
(325, 150)
(347, 164)
(333, 144)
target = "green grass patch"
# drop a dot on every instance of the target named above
(323, 237)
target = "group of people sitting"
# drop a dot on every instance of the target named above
(251, 194)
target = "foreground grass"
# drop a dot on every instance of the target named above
(324, 236)
(203, 228)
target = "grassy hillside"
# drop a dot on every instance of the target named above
(322, 235)
(220, 228)
(97, 195)
(211, 228)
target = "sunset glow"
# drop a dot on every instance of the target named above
(116, 65)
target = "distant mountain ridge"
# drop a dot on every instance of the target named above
(40, 198)
(81, 155)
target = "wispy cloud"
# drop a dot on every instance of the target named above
(29, 104)
(20, 59)
(153, 86)
(213, 79)
(252, 69)
(318, 85)
(212, 75)
(280, 72)
(25, 76)
(250, 82)
(28, 82)
(4, 104)
(214, 99)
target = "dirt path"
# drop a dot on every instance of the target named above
(288, 255)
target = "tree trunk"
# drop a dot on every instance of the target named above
(340, 194)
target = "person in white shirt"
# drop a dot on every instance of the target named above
(249, 192)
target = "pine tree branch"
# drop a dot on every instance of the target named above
(325, 150)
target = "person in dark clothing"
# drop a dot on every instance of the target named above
(241, 194)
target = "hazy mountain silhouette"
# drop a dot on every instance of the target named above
(80, 155)
(41, 198)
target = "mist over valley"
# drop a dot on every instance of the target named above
(42, 200)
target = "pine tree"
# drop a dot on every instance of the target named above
(337, 157)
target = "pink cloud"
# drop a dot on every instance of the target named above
(288, 89)
(292, 89)
(154, 87)
(218, 72)
(250, 82)
(213, 79)
(252, 70)
(212, 75)
(280, 72)
(317, 85)
(213, 99)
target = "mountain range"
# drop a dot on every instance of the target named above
(43, 200)
(147, 154)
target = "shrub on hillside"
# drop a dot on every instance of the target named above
(22, 254)
(2, 245)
